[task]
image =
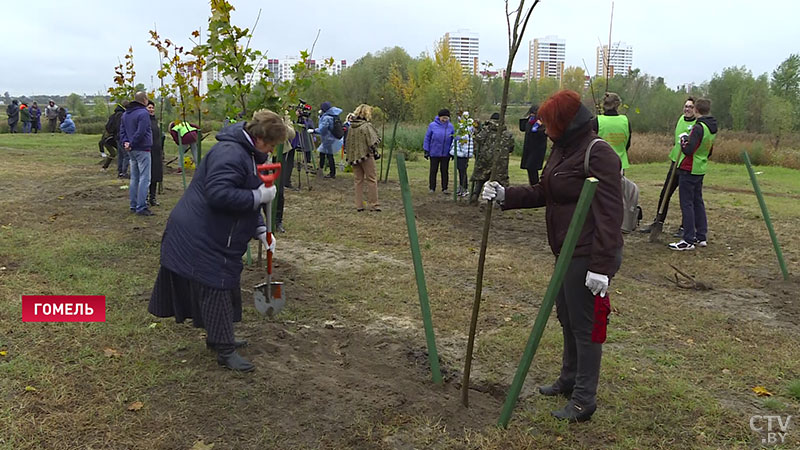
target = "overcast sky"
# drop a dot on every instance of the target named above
(55, 47)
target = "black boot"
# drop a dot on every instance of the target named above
(573, 412)
(236, 344)
(279, 227)
(554, 390)
(234, 361)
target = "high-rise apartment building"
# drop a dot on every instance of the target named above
(546, 57)
(617, 61)
(464, 47)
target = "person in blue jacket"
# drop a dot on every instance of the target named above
(330, 143)
(136, 137)
(68, 126)
(207, 234)
(438, 140)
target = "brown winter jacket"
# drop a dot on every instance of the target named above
(559, 189)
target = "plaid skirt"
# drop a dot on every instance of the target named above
(213, 309)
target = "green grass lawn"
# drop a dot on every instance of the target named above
(343, 366)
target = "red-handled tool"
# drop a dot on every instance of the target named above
(268, 296)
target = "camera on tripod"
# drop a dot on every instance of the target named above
(303, 109)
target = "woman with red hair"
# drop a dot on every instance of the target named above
(598, 253)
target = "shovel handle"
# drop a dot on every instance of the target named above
(269, 173)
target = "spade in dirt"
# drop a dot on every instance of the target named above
(268, 296)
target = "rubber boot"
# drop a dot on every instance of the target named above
(573, 412)
(554, 390)
(234, 361)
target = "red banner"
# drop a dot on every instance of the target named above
(63, 308)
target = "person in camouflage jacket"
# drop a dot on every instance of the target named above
(491, 140)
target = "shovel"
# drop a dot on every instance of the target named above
(268, 296)
(658, 225)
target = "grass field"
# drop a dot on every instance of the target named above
(344, 366)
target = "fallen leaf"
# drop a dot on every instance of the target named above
(690, 341)
(3, 353)
(124, 187)
(110, 352)
(726, 371)
(153, 325)
(135, 406)
(200, 445)
(507, 319)
(559, 439)
(761, 391)
(60, 197)
(30, 389)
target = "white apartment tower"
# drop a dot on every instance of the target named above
(464, 47)
(619, 60)
(546, 57)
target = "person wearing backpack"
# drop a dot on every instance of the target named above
(598, 251)
(331, 131)
(696, 148)
(109, 144)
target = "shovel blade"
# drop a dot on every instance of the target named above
(655, 231)
(268, 298)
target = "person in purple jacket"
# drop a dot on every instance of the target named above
(137, 138)
(438, 140)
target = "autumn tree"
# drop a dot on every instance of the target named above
(574, 78)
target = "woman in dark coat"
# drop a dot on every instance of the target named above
(208, 231)
(535, 145)
(13, 116)
(156, 155)
(598, 252)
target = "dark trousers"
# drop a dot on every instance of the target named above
(51, 124)
(123, 160)
(12, 127)
(462, 164)
(287, 166)
(666, 194)
(580, 364)
(109, 147)
(331, 163)
(695, 224)
(533, 176)
(438, 164)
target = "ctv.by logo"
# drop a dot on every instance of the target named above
(776, 428)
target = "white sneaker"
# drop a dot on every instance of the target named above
(681, 246)
(103, 155)
(701, 243)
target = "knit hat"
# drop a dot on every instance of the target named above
(444, 112)
(325, 106)
(558, 111)
(611, 101)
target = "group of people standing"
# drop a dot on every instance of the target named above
(31, 117)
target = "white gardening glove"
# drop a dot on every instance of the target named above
(267, 193)
(493, 191)
(597, 283)
(310, 131)
(263, 238)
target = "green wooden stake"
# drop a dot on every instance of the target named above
(575, 226)
(248, 258)
(391, 151)
(422, 289)
(765, 213)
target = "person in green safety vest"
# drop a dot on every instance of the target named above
(684, 125)
(188, 137)
(696, 148)
(614, 128)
